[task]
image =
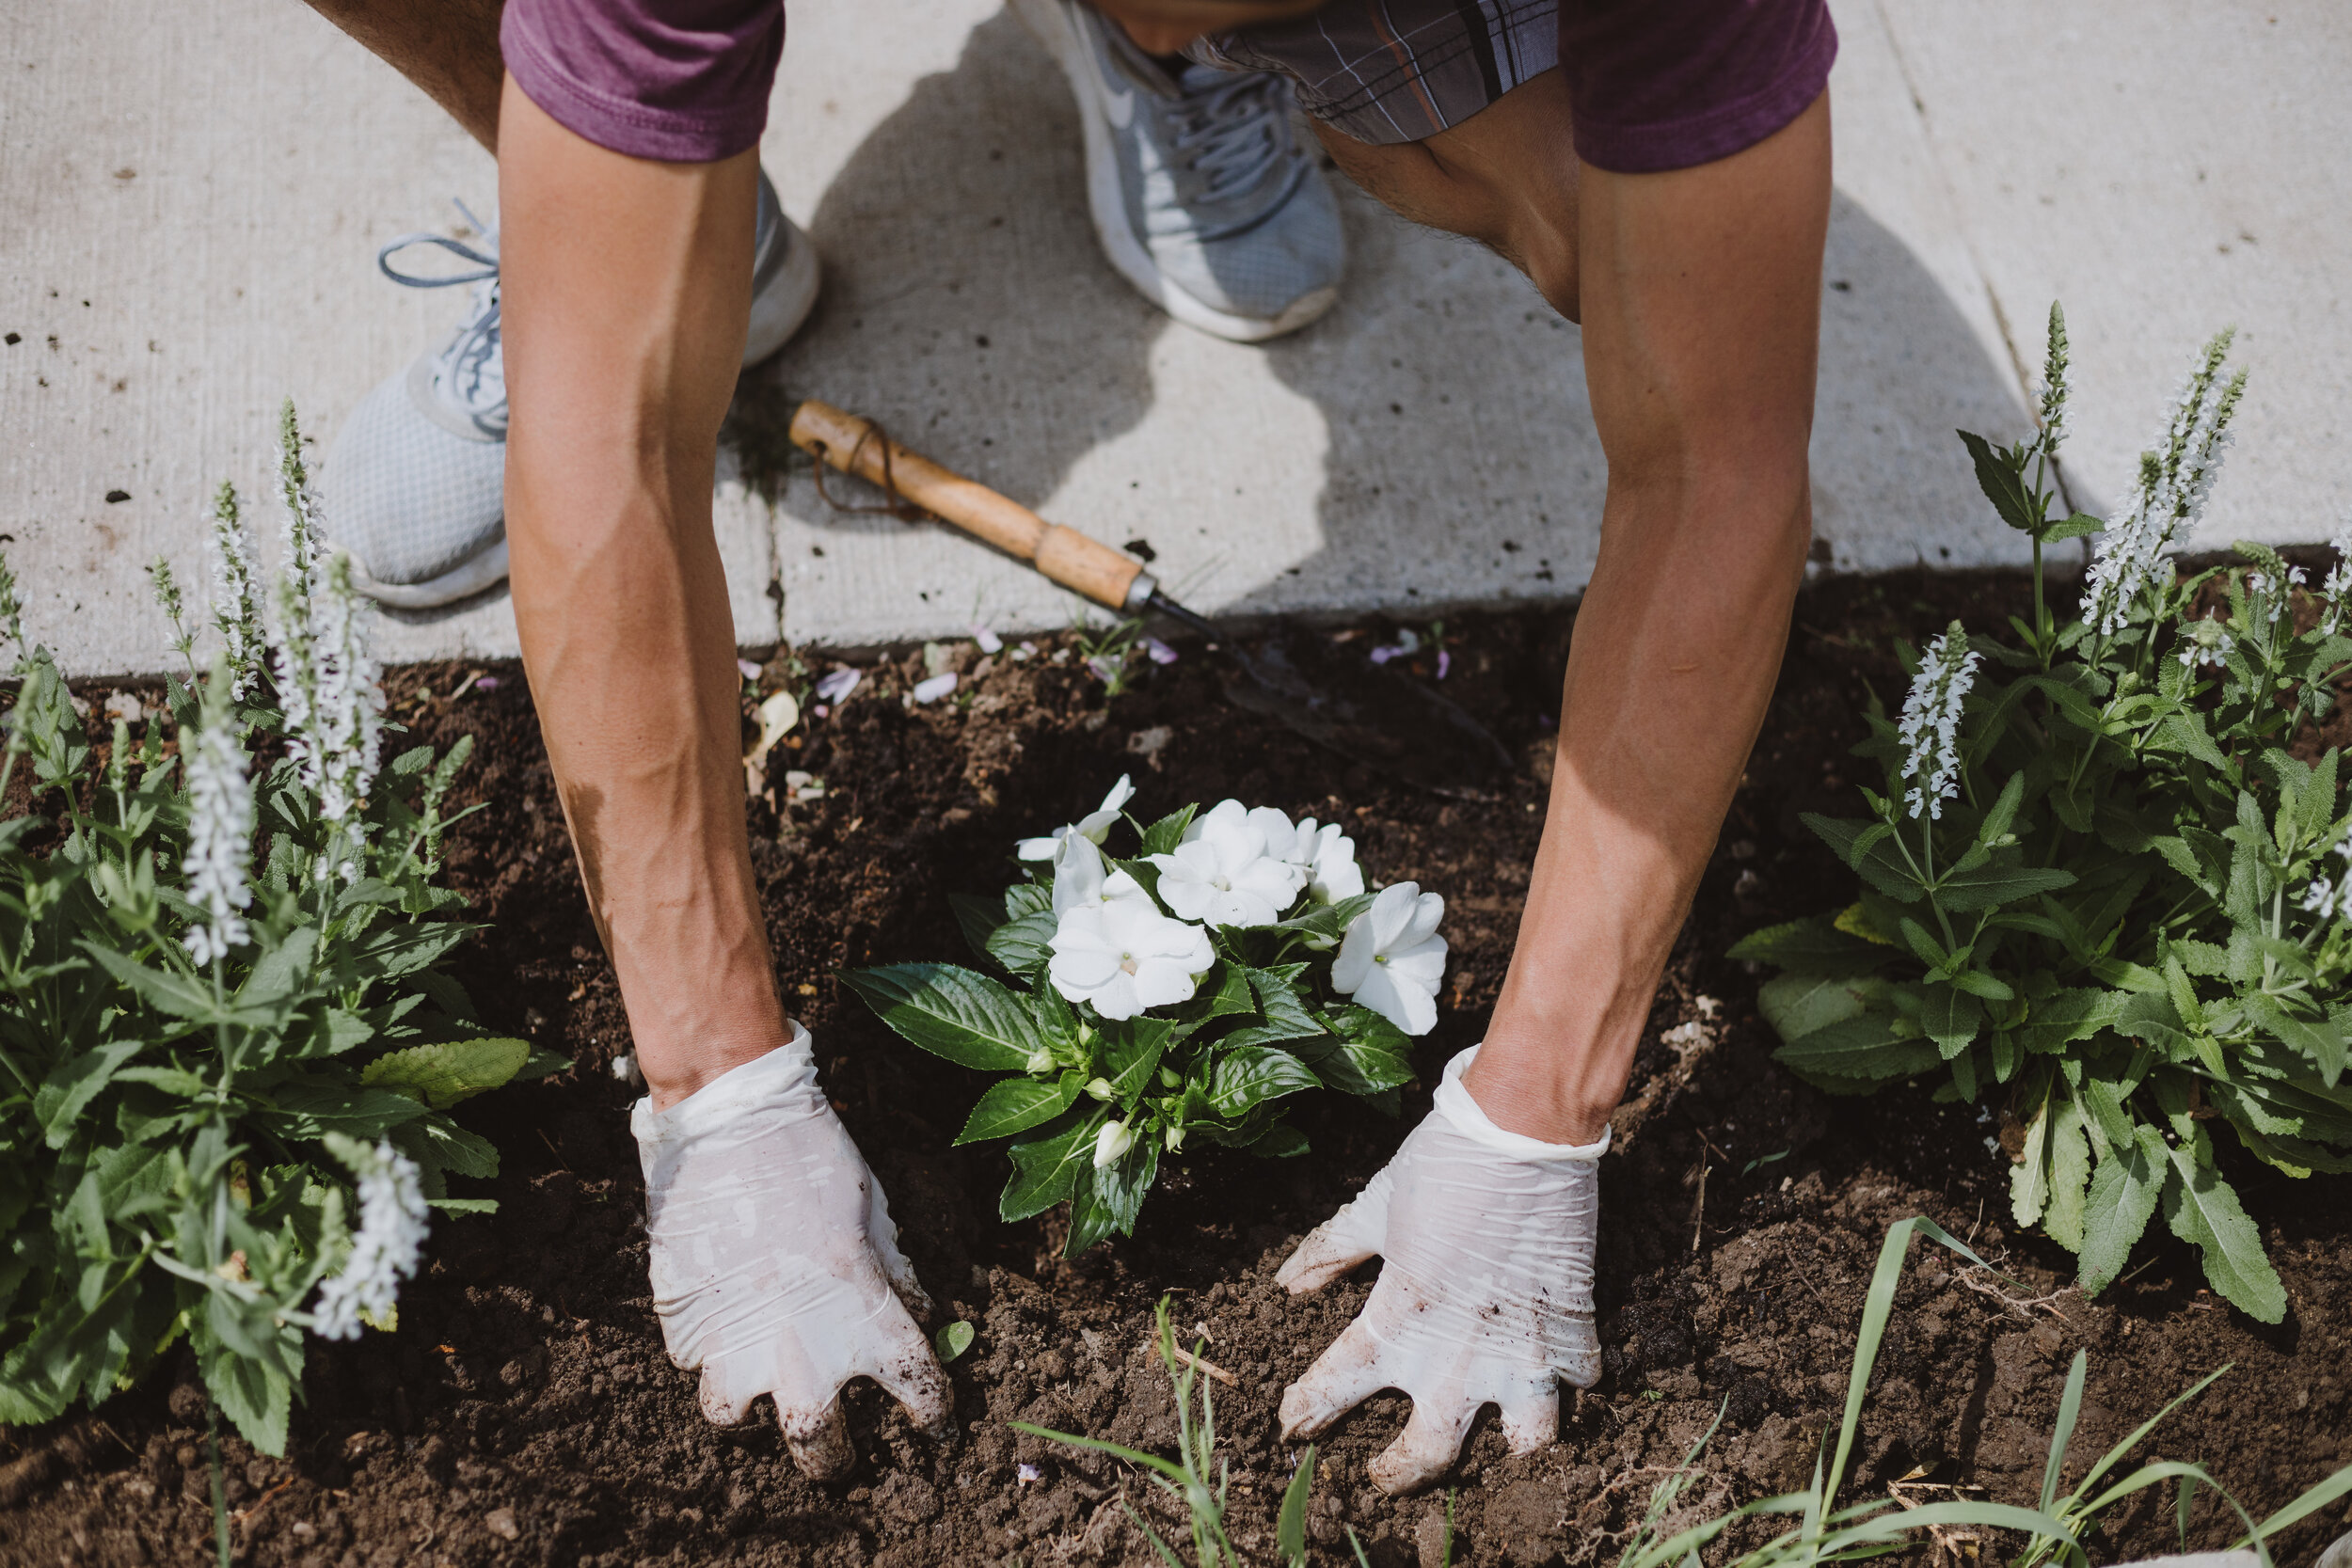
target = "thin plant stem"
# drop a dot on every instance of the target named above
(220, 1490)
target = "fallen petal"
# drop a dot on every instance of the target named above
(990, 642)
(750, 671)
(1161, 653)
(935, 688)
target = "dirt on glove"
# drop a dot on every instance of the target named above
(523, 1412)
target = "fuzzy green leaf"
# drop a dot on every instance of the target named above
(443, 1074)
(1809, 946)
(2123, 1193)
(2204, 1210)
(1996, 883)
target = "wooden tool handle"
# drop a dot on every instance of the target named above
(857, 446)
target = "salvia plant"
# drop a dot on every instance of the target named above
(2108, 883)
(225, 1048)
(1183, 993)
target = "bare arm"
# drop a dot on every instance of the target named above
(627, 290)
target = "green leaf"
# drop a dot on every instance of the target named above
(2318, 1039)
(2123, 1193)
(2001, 480)
(952, 1341)
(1998, 882)
(1286, 1013)
(1016, 1105)
(978, 919)
(1290, 1526)
(2204, 1210)
(307, 1108)
(443, 1074)
(2070, 1175)
(2029, 1177)
(1254, 1074)
(1281, 1141)
(1863, 1048)
(967, 1018)
(1131, 1053)
(441, 1145)
(1365, 1055)
(255, 1397)
(1162, 837)
(74, 1083)
(1046, 1169)
(1028, 898)
(1809, 946)
(2075, 527)
(1868, 848)
(1024, 946)
(164, 992)
(1952, 1018)
(1120, 1188)
(1797, 1005)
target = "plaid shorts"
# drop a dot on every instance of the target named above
(1652, 84)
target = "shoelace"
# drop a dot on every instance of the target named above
(1232, 127)
(470, 372)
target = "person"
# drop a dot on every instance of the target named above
(1660, 172)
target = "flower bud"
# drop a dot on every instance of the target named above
(1112, 1143)
(1101, 1089)
(1175, 1139)
(1040, 1061)
(1169, 1078)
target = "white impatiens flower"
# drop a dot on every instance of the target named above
(1392, 959)
(220, 835)
(1931, 722)
(2170, 498)
(384, 1250)
(1112, 1144)
(1234, 867)
(1094, 827)
(236, 592)
(1124, 957)
(1083, 880)
(1330, 857)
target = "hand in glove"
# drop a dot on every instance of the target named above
(774, 1262)
(1485, 1289)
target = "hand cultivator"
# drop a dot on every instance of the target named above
(1372, 714)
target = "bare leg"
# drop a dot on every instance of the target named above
(627, 292)
(447, 47)
(1699, 293)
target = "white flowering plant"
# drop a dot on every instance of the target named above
(1178, 996)
(2108, 883)
(226, 1050)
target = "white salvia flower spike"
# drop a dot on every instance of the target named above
(221, 829)
(301, 526)
(2169, 499)
(1095, 826)
(1930, 727)
(236, 592)
(2054, 387)
(384, 1250)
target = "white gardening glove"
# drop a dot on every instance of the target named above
(774, 1262)
(1485, 1287)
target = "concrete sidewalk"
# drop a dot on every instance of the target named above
(195, 197)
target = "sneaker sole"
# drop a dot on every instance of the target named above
(1052, 27)
(783, 295)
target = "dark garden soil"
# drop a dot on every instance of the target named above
(524, 1410)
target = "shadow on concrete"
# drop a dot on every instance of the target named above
(969, 308)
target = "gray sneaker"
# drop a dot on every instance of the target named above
(414, 486)
(1202, 197)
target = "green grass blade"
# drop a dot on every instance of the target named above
(1149, 1461)
(2117, 1455)
(1151, 1535)
(1361, 1560)
(2069, 1406)
(1877, 1306)
(2302, 1507)
(1290, 1527)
